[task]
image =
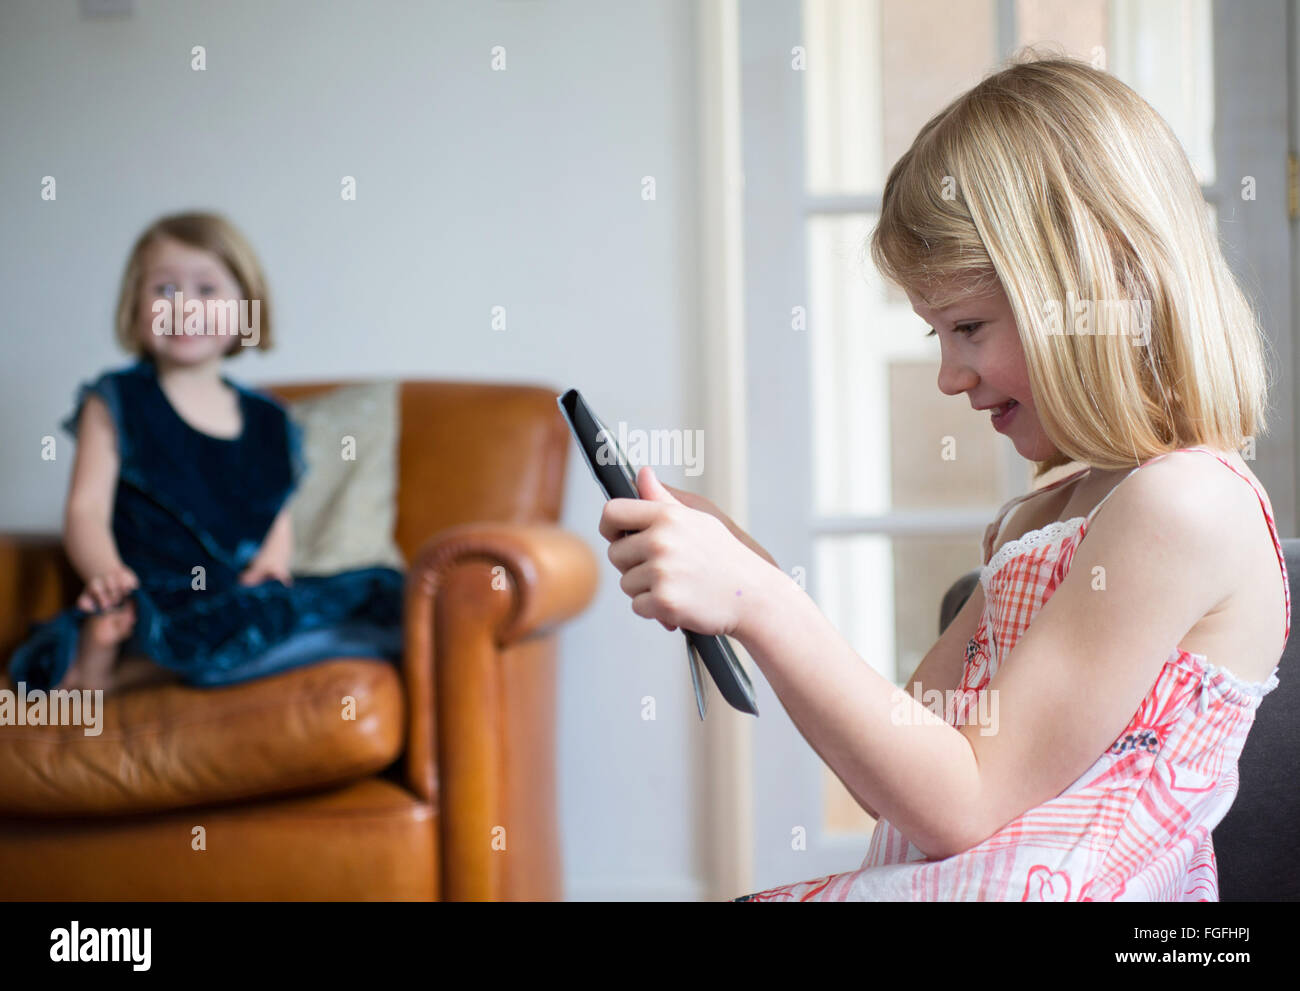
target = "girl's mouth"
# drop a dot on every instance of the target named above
(1004, 414)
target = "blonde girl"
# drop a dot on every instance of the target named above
(1127, 649)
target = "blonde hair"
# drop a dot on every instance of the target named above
(1059, 182)
(210, 232)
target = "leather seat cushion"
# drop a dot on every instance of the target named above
(370, 840)
(170, 746)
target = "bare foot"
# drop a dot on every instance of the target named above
(92, 668)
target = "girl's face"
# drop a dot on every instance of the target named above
(169, 268)
(981, 355)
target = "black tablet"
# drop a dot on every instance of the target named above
(617, 479)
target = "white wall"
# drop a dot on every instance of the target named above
(475, 189)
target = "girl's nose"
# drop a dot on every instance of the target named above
(955, 377)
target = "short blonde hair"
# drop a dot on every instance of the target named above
(1057, 181)
(210, 232)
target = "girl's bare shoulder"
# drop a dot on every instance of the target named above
(1246, 631)
(95, 424)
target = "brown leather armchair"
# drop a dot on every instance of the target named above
(443, 786)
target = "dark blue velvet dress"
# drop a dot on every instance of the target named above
(186, 501)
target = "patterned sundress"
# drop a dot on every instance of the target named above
(1137, 824)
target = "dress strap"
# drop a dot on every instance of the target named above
(994, 529)
(1272, 532)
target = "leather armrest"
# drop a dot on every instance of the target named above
(517, 580)
(36, 581)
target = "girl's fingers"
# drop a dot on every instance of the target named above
(626, 514)
(111, 591)
(637, 580)
(644, 606)
(636, 583)
(104, 592)
(628, 552)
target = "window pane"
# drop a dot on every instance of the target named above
(842, 96)
(884, 436)
(841, 812)
(1078, 27)
(864, 101)
(1161, 48)
(935, 51)
(883, 595)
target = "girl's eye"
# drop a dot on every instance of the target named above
(166, 289)
(207, 290)
(965, 328)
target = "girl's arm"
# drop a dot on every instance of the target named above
(87, 518)
(1150, 568)
(890, 751)
(940, 670)
(275, 555)
(942, 665)
(1170, 548)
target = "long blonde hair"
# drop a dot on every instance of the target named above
(1059, 182)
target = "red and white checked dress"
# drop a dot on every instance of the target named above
(1136, 825)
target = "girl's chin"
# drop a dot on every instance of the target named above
(1030, 442)
(1035, 449)
(187, 349)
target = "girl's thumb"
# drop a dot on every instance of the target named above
(651, 488)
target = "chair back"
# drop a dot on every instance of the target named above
(1255, 844)
(469, 452)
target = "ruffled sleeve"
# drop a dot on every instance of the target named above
(106, 388)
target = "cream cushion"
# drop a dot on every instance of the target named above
(345, 508)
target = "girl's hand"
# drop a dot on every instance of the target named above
(695, 501)
(683, 566)
(108, 589)
(262, 569)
